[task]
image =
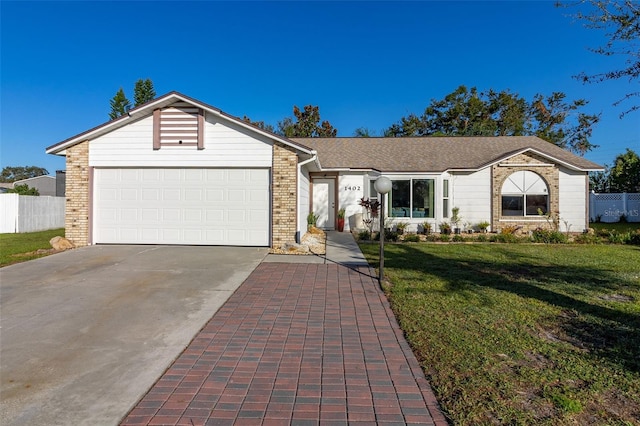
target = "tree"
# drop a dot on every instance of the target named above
(550, 119)
(621, 22)
(624, 174)
(599, 181)
(12, 174)
(24, 190)
(307, 125)
(363, 132)
(259, 124)
(467, 112)
(120, 105)
(143, 92)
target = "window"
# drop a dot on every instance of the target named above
(412, 198)
(445, 198)
(524, 193)
(373, 194)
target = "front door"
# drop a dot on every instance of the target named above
(324, 203)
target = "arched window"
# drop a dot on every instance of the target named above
(523, 194)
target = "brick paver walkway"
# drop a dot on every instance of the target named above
(296, 344)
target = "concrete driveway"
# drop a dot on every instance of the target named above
(85, 333)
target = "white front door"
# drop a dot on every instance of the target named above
(324, 202)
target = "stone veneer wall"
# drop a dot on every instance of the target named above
(77, 194)
(501, 171)
(284, 190)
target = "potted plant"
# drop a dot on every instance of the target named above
(401, 226)
(483, 226)
(312, 219)
(426, 228)
(455, 219)
(341, 214)
(445, 228)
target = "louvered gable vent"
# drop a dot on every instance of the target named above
(180, 124)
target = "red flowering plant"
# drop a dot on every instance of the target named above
(371, 208)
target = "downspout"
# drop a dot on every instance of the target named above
(314, 157)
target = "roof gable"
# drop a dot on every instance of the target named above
(147, 109)
(435, 154)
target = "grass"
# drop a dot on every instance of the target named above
(15, 248)
(522, 333)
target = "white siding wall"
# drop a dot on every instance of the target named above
(471, 192)
(303, 201)
(350, 191)
(225, 145)
(573, 200)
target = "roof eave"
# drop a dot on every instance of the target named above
(165, 100)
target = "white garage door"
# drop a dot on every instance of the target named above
(181, 206)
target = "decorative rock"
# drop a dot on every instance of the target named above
(61, 243)
(297, 248)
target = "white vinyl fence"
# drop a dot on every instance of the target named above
(27, 213)
(609, 207)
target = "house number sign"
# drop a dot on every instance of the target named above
(352, 188)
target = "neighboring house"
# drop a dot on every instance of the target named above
(46, 185)
(178, 171)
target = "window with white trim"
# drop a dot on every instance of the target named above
(412, 198)
(445, 198)
(524, 193)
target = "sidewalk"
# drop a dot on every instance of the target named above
(297, 344)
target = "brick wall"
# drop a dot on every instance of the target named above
(284, 195)
(501, 171)
(77, 194)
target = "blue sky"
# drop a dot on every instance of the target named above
(365, 64)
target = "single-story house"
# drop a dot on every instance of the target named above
(178, 171)
(45, 184)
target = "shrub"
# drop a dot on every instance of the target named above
(547, 236)
(364, 235)
(634, 238)
(481, 238)
(588, 239)
(444, 238)
(432, 238)
(458, 238)
(509, 230)
(412, 238)
(619, 238)
(388, 236)
(503, 238)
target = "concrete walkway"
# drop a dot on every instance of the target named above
(306, 343)
(341, 249)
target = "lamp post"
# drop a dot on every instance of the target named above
(382, 186)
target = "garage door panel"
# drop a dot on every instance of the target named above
(182, 206)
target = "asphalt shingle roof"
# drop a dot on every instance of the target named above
(431, 154)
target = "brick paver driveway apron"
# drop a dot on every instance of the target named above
(295, 344)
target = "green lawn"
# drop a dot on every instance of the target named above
(16, 248)
(522, 333)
